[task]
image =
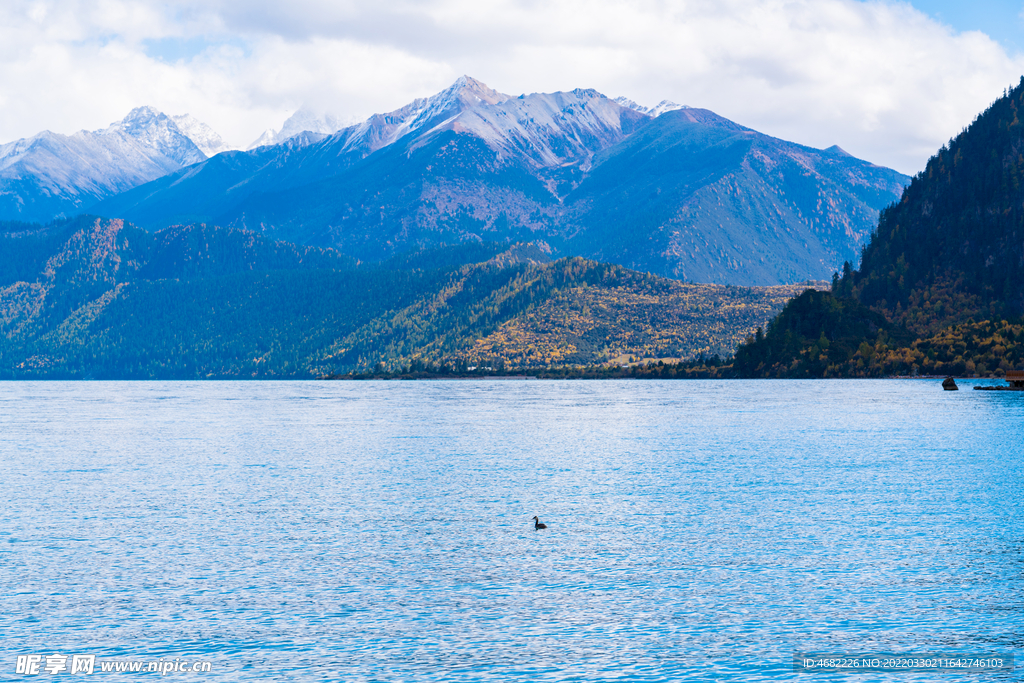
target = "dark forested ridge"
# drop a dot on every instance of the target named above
(107, 300)
(92, 298)
(940, 288)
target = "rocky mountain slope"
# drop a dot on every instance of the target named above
(695, 196)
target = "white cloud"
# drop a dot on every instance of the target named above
(878, 78)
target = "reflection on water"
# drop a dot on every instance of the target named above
(383, 531)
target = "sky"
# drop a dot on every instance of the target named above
(887, 81)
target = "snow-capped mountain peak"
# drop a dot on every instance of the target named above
(204, 137)
(629, 104)
(51, 174)
(381, 130)
(655, 111)
(664, 106)
(549, 129)
(157, 131)
(138, 121)
(465, 93)
(303, 120)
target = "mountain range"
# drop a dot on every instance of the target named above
(394, 259)
(673, 190)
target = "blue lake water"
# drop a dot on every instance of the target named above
(381, 531)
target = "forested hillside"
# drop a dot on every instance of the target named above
(940, 288)
(92, 298)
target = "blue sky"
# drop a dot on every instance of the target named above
(887, 80)
(998, 19)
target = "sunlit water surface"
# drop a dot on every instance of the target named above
(381, 531)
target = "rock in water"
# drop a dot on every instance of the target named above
(949, 384)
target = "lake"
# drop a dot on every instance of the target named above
(382, 531)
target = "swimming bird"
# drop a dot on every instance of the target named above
(537, 523)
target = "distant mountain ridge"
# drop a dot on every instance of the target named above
(50, 174)
(687, 194)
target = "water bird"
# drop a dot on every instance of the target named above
(537, 523)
